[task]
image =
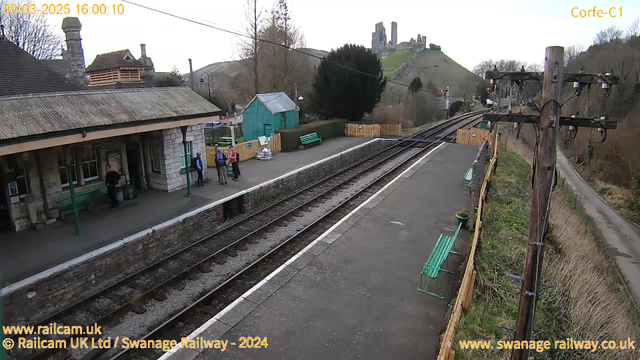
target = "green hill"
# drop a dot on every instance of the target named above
(428, 65)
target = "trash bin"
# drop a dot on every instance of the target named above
(31, 206)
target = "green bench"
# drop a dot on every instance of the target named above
(433, 266)
(468, 177)
(84, 199)
(310, 139)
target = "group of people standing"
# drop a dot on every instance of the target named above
(221, 166)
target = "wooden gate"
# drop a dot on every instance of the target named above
(472, 136)
(372, 130)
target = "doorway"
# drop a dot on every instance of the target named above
(133, 162)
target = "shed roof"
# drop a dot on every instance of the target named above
(30, 115)
(21, 73)
(112, 60)
(277, 102)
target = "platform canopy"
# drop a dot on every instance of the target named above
(35, 121)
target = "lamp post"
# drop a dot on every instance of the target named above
(208, 83)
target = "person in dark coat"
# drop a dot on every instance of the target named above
(111, 180)
(221, 166)
(199, 169)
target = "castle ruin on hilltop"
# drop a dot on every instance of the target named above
(379, 40)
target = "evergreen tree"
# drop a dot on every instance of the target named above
(416, 85)
(347, 94)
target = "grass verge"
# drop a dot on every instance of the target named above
(587, 303)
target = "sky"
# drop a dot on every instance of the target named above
(467, 31)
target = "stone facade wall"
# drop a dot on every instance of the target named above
(59, 290)
(155, 179)
(173, 163)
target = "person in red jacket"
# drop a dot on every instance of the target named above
(234, 162)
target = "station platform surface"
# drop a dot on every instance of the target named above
(352, 293)
(29, 252)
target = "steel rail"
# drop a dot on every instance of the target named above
(157, 287)
(273, 250)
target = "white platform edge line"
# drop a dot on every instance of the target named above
(257, 286)
(70, 263)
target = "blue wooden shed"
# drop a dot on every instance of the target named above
(268, 113)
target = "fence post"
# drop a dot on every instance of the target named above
(466, 304)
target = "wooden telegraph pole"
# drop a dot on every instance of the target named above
(544, 178)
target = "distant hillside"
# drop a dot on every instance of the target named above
(224, 71)
(429, 65)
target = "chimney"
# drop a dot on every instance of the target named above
(74, 54)
(149, 70)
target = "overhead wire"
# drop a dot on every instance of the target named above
(236, 33)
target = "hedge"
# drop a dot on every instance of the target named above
(326, 129)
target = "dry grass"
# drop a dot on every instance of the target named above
(596, 303)
(588, 303)
(598, 306)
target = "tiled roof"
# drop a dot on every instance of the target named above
(113, 60)
(25, 116)
(21, 73)
(60, 66)
(277, 102)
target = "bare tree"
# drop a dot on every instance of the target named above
(610, 34)
(634, 29)
(30, 32)
(533, 67)
(483, 67)
(502, 65)
(285, 68)
(249, 50)
(572, 52)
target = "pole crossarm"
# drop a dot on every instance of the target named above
(564, 120)
(582, 78)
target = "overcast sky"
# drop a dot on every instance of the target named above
(468, 31)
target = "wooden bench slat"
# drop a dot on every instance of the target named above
(84, 199)
(437, 258)
(309, 138)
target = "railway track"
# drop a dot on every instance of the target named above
(233, 258)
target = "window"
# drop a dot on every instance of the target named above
(89, 163)
(21, 177)
(18, 184)
(64, 178)
(156, 157)
(181, 157)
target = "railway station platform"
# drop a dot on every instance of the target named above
(352, 293)
(30, 252)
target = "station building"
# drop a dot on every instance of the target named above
(54, 135)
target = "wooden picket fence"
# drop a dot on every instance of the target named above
(472, 136)
(246, 150)
(372, 130)
(465, 293)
